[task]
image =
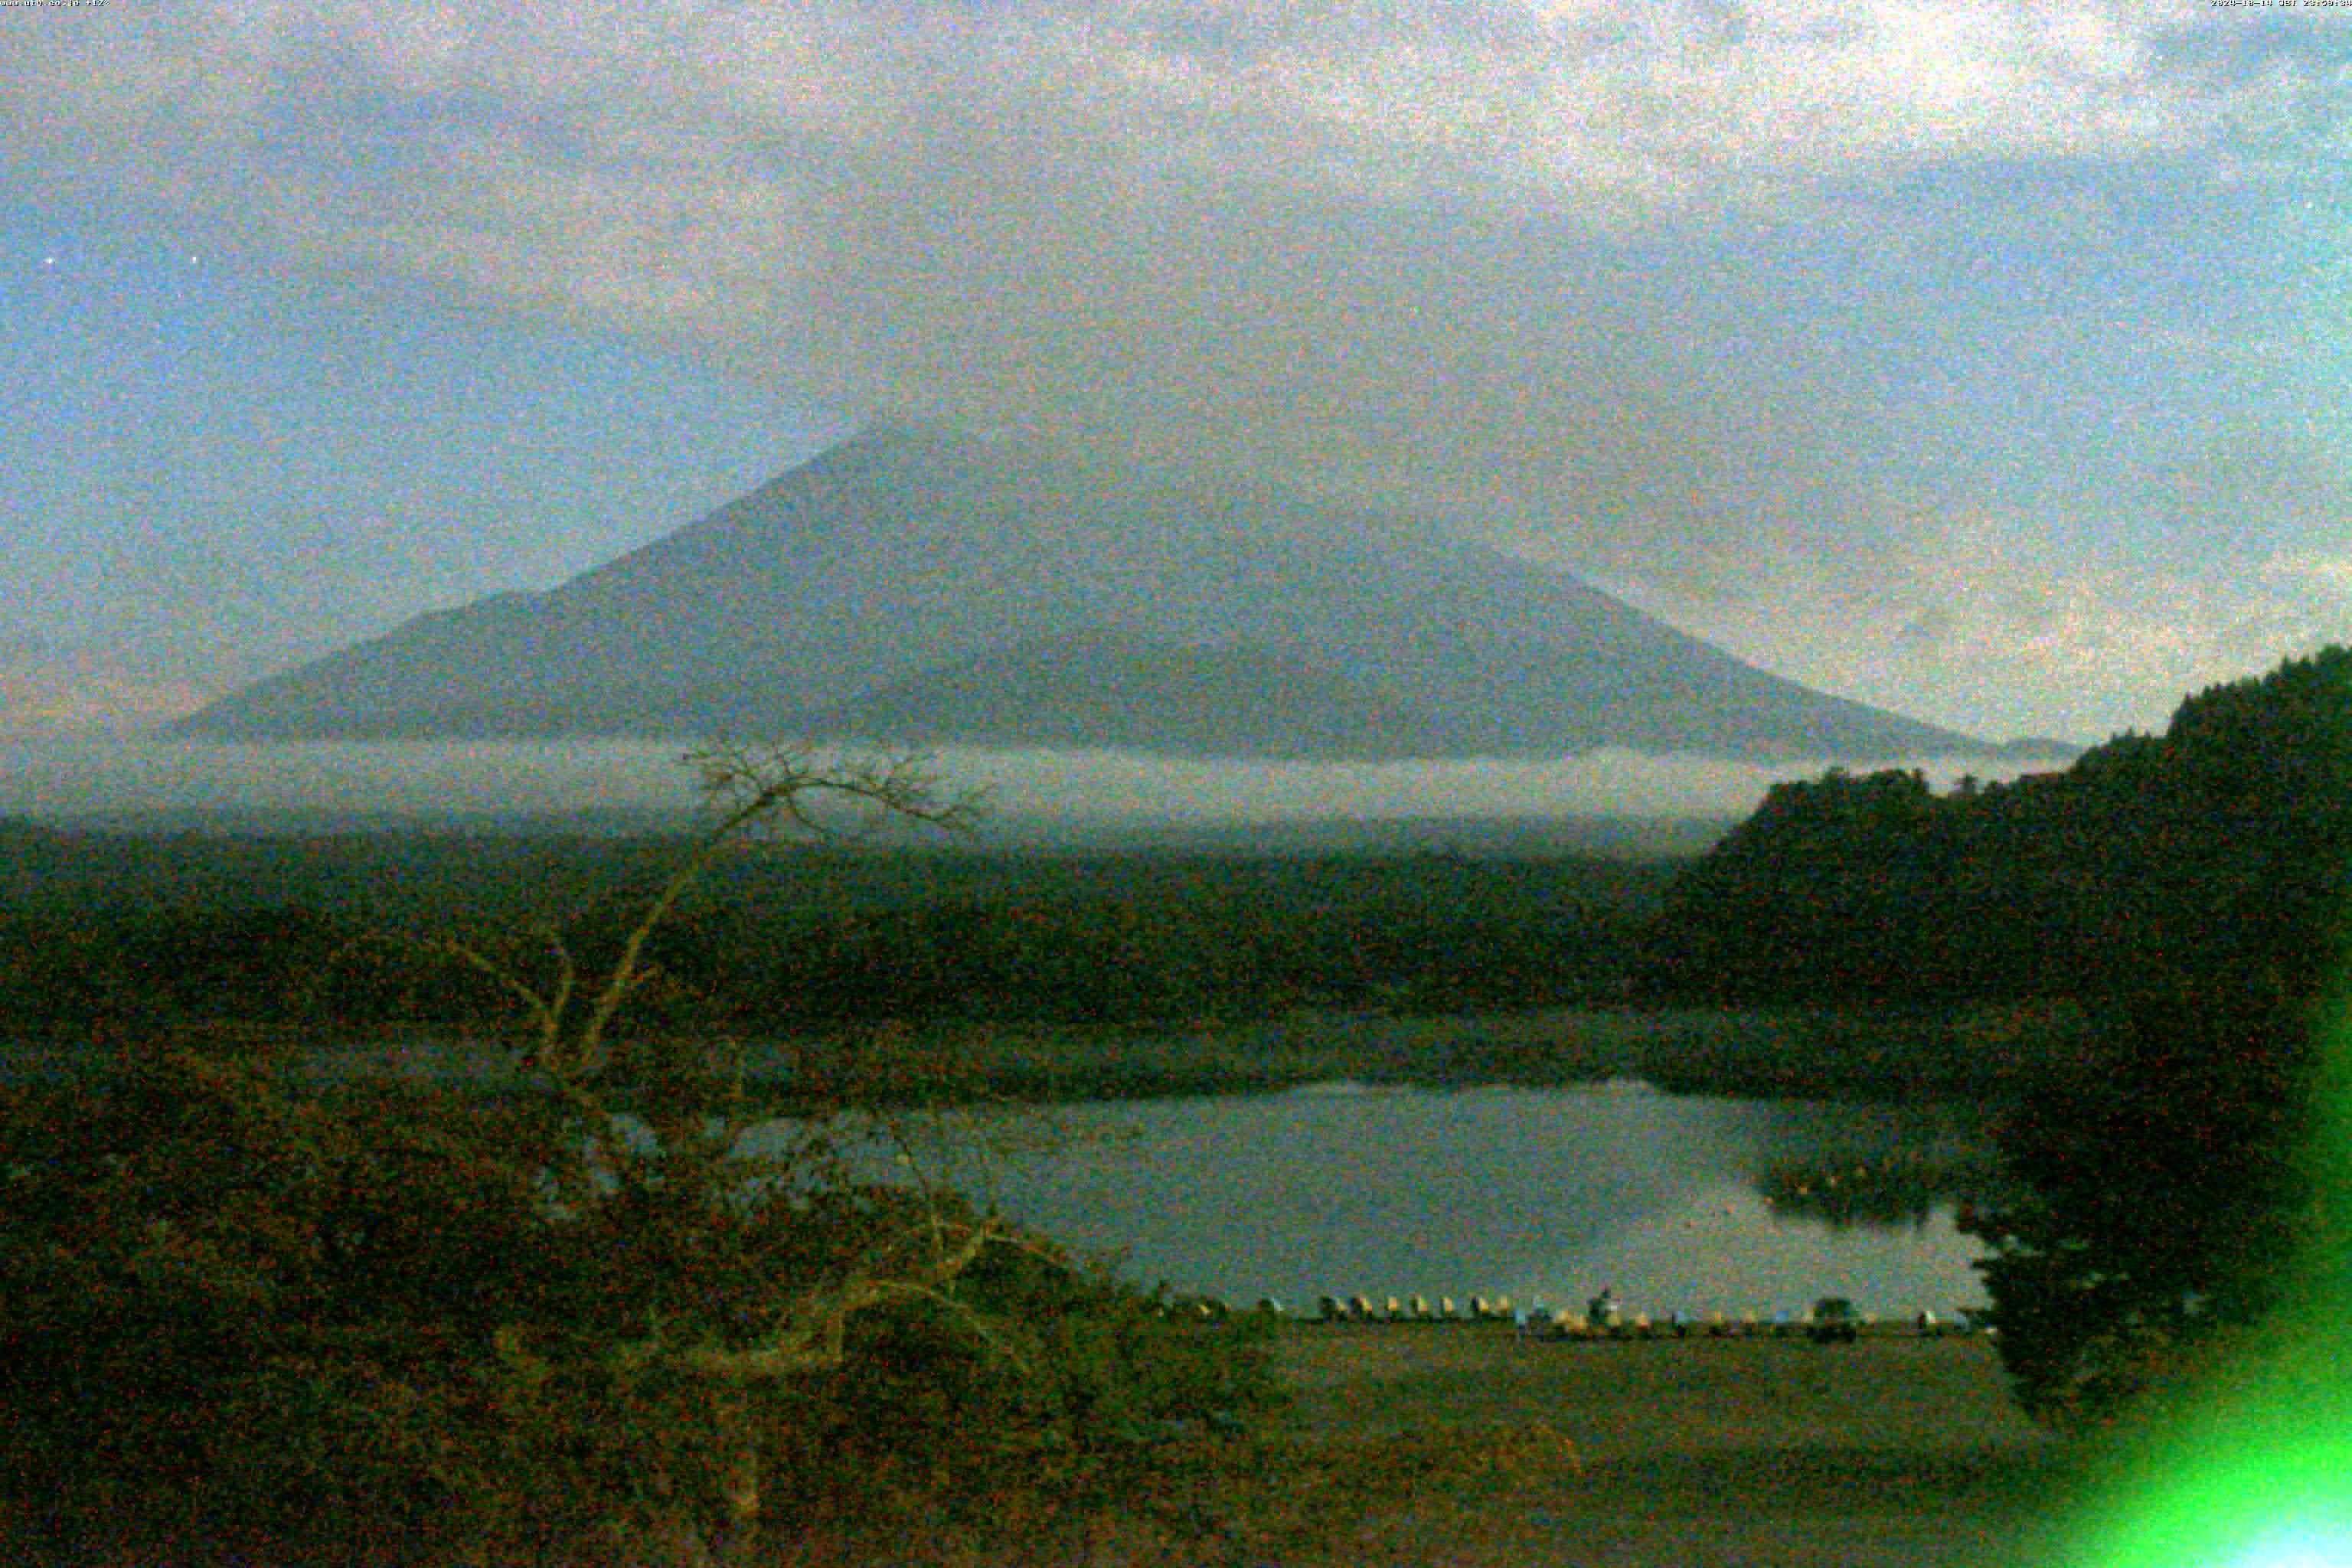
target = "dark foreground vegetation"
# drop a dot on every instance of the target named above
(248, 1316)
(245, 1321)
(244, 1325)
(2187, 895)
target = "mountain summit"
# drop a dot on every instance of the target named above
(909, 586)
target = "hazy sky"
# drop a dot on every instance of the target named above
(1984, 361)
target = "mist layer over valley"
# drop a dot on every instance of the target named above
(607, 784)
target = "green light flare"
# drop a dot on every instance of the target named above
(2258, 1474)
(2263, 1491)
(2329, 1548)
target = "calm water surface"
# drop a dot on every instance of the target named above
(1538, 1194)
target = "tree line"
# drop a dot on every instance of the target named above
(2217, 848)
(133, 935)
(2188, 891)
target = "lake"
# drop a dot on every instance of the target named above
(1678, 1203)
(1536, 1194)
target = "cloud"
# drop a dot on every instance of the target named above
(2002, 624)
(2315, 569)
(55, 691)
(859, 177)
(149, 645)
(1619, 282)
(56, 774)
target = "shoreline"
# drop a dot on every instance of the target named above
(1961, 1053)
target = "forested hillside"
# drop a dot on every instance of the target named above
(2188, 892)
(143, 933)
(2222, 843)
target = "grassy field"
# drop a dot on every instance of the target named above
(1468, 1446)
(1686, 1452)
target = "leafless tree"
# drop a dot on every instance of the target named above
(686, 1128)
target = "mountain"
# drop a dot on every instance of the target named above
(911, 586)
(1099, 688)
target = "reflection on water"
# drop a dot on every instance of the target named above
(1535, 1193)
(1848, 1187)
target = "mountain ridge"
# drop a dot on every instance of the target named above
(908, 585)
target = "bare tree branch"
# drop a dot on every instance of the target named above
(573, 1023)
